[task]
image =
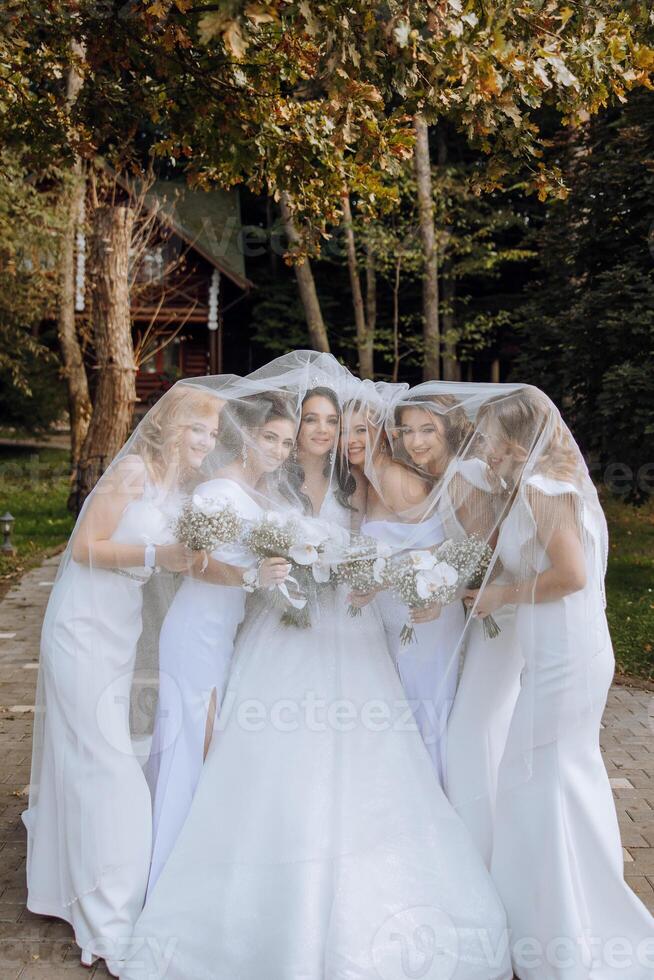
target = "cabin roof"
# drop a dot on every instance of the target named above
(208, 221)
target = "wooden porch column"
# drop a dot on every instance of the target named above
(215, 326)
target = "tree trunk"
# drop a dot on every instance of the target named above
(396, 320)
(364, 340)
(371, 302)
(451, 366)
(306, 284)
(115, 393)
(79, 401)
(431, 325)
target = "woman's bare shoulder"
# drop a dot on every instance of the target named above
(126, 475)
(401, 487)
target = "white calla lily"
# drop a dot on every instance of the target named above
(422, 559)
(448, 574)
(303, 554)
(432, 580)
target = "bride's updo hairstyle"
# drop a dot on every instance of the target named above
(160, 435)
(527, 418)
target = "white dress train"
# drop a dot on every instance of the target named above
(319, 845)
(195, 652)
(89, 829)
(557, 856)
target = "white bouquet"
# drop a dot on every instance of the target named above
(311, 546)
(362, 567)
(424, 577)
(206, 523)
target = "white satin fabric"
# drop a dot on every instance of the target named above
(427, 667)
(319, 845)
(195, 652)
(478, 725)
(89, 834)
(557, 856)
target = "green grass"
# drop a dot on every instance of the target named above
(630, 586)
(34, 488)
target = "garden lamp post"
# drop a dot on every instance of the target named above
(6, 524)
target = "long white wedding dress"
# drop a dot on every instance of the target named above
(195, 652)
(319, 846)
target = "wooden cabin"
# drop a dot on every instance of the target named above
(186, 276)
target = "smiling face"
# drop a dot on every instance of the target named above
(319, 426)
(273, 443)
(423, 437)
(355, 437)
(498, 450)
(198, 439)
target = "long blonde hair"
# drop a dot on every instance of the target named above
(524, 417)
(161, 433)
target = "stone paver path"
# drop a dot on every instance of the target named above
(35, 947)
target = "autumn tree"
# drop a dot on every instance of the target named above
(302, 100)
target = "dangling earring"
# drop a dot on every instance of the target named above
(244, 455)
(294, 454)
(332, 457)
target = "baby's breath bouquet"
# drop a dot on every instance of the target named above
(309, 545)
(424, 577)
(206, 523)
(362, 567)
(475, 557)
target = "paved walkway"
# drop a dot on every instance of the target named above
(34, 947)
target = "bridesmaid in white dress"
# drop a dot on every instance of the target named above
(318, 844)
(428, 440)
(557, 856)
(89, 816)
(478, 725)
(197, 637)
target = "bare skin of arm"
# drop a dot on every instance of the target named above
(273, 571)
(92, 544)
(566, 575)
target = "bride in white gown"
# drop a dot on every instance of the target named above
(319, 845)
